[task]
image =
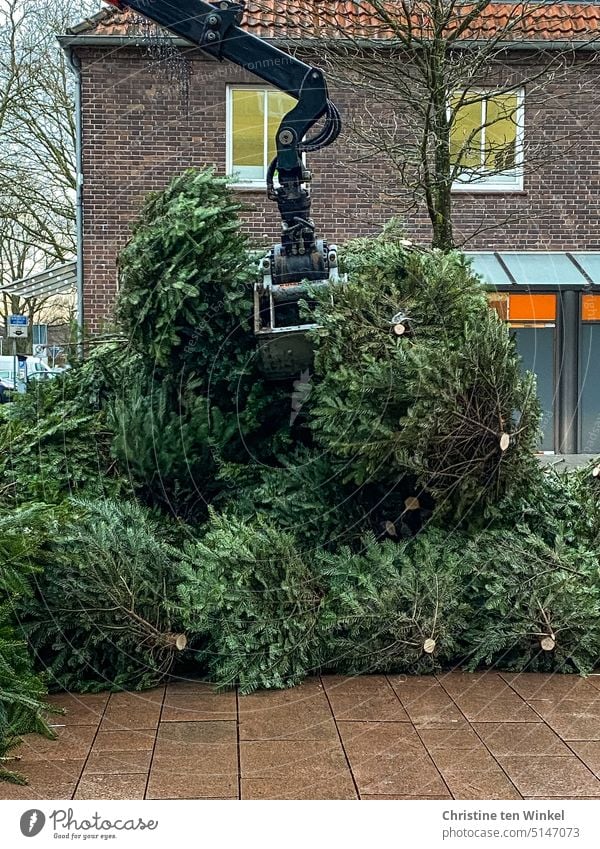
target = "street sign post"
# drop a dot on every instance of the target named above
(17, 326)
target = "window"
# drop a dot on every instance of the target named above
(253, 117)
(39, 334)
(532, 318)
(589, 351)
(486, 137)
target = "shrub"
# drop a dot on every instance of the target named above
(54, 440)
(167, 447)
(186, 304)
(22, 692)
(305, 497)
(184, 298)
(22, 696)
(442, 408)
(536, 606)
(392, 608)
(252, 596)
(101, 617)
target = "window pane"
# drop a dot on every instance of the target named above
(466, 127)
(501, 132)
(279, 105)
(536, 347)
(590, 263)
(248, 133)
(589, 403)
(542, 269)
(489, 269)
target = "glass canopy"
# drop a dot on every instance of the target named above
(551, 269)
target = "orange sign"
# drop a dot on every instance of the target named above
(532, 308)
(590, 307)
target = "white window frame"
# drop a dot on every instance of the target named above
(500, 182)
(245, 184)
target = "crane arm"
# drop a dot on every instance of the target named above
(214, 28)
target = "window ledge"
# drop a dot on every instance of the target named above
(248, 187)
(488, 190)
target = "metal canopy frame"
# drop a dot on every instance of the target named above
(53, 281)
(551, 270)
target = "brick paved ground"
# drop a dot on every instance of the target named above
(463, 736)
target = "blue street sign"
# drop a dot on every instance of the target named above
(17, 326)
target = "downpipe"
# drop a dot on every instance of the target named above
(75, 66)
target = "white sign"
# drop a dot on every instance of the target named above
(17, 326)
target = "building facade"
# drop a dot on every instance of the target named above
(143, 121)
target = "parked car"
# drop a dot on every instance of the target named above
(7, 388)
(27, 368)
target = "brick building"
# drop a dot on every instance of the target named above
(143, 121)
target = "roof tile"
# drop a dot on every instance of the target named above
(538, 21)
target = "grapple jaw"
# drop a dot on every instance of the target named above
(283, 347)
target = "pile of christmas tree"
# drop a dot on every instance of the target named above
(383, 512)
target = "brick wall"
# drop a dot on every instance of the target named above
(139, 130)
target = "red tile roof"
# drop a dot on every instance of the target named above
(540, 21)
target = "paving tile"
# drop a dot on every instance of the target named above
(136, 701)
(55, 771)
(133, 711)
(124, 741)
(479, 781)
(589, 753)
(569, 718)
(118, 763)
(549, 777)
(184, 737)
(426, 702)
(486, 697)
(504, 708)
(473, 774)
(111, 787)
(125, 721)
(389, 758)
(276, 758)
(488, 684)
(366, 797)
(172, 784)
(302, 713)
(594, 680)
(466, 765)
(454, 748)
(303, 788)
(194, 760)
(72, 742)
(196, 701)
(54, 790)
(542, 798)
(366, 698)
(295, 769)
(520, 739)
(537, 685)
(405, 737)
(83, 709)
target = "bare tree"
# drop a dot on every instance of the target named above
(37, 141)
(438, 90)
